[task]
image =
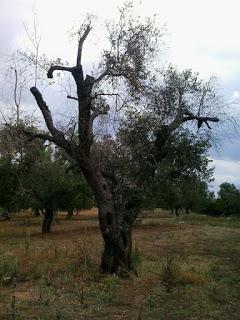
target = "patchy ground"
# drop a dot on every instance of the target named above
(184, 269)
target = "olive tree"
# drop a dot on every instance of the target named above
(164, 101)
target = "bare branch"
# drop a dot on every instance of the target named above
(58, 136)
(104, 94)
(17, 103)
(201, 120)
(35, 40)
(212, 119)
(73, 98)
(60, 68)
(80, 45)
(46, 113)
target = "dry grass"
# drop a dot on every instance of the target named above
(187, 269)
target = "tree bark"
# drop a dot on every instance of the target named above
(47, 222)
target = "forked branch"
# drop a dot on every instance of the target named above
(200, 120)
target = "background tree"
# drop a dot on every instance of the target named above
(182, 177)
(227, 201)
(43, 186)
(34, 176)
(8, 186)
(12, 149)
(76, 194)
(229, 197)
(50, 185)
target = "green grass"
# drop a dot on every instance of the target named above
(231, 222)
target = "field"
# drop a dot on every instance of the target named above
(184, 269)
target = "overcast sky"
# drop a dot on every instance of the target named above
(202, 35)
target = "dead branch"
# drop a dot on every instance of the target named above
(201, 120)
(58, 136)
(45, 111)
(59, 68)
(80, 45)
(73, 98)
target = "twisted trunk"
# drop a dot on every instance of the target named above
(117, 236)
(117, 252)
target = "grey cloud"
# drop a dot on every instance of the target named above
(10, 23)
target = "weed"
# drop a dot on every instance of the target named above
(150, 301)
(8, 269)
(111, 283)
(101, 297)
(106, 292)
(81, 265)
(47, 280)
(57, 312)
(136, 260)
(46, 295)
(170, 264)
(27, 243)
(11, 312)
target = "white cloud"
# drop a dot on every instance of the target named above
(226, 171)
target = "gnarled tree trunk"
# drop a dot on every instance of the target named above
(117, 236)
(117, 252)
(117, 249)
